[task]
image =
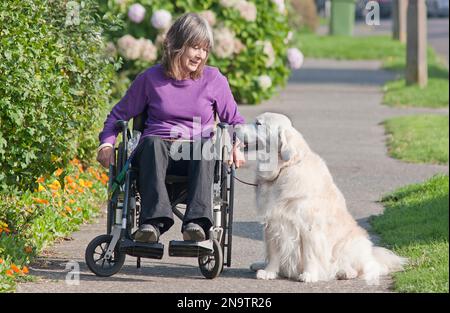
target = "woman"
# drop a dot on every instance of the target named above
(178, 95)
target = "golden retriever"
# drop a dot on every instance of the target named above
(309, 234)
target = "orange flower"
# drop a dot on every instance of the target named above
(79, 209)
(68, 209)
(71, 201)
(59, 171)
(1, 261)
(41, 201)
(9, 273)
(69, 179)
(25, 270)
(15, 268)
(40, 180)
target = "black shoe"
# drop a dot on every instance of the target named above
(147, 233)
(193, 232)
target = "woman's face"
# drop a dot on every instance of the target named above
(192, 58)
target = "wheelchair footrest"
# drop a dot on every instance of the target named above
(190, 248)
(141, 249)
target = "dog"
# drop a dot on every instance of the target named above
(309, 234)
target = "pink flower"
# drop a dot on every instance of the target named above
(295, 58)
(136, 13)
(209, 16)
(223, 42)
(247, 10)
(161, 19)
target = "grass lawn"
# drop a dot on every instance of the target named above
(422, 138)
(415, 225)
(393, 55)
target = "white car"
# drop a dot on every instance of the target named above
(437, 7)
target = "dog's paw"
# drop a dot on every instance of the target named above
(265, 275)
(348, 274)
(258, 266)
(308, 277)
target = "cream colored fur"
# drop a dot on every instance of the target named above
(309, 234)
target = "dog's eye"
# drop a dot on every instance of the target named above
(258, 123)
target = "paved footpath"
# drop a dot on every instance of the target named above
(336, 105)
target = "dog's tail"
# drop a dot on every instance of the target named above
(388, 260)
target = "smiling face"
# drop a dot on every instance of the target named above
(192, 58)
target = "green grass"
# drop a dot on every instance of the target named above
(422, 138)
(415, 225)
(393, 55)
(350, 48)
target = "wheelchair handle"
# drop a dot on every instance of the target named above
(121, 124)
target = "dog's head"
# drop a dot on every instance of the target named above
(273, 135)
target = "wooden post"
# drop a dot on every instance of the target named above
(399, 14)
(416, 47)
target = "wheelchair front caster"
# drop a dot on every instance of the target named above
(95, 260)
(212, 265)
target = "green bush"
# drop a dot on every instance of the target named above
(251, 50)
(54, 86)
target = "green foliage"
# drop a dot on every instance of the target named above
(422, 138)
(32, 221)
(242, 69)
(415, 224)
(54, 82)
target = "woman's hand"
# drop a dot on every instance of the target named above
(105, 156)
(237, 156)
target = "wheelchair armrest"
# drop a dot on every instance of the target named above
(121, 124)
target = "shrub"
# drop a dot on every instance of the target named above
(250, 39)
(54, 84)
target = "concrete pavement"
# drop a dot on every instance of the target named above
(336, 106)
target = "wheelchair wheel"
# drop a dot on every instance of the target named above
(95, 252)
(211, 265)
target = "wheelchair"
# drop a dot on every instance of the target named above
(105, 254)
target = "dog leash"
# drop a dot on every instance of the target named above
(250, 184)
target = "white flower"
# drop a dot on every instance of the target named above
(161, 19)
(295, 58)
(264, 82)
(148, 50)
(129, 47)
(209, 16)
(280, 5)
(247, 10)
(136, 13)
(223, 42)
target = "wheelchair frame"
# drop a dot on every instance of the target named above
(123, 212)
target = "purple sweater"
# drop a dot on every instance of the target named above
(175, 108)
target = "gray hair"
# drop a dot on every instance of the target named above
(188, 30)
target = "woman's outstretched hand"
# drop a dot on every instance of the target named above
(237, 156)
(105, 156)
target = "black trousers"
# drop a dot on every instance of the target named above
(154, 159)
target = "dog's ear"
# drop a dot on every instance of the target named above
(286, 143)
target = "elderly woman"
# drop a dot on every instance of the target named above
(179, 95)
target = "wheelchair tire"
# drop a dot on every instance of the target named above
(211, 266)
(95, 251)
